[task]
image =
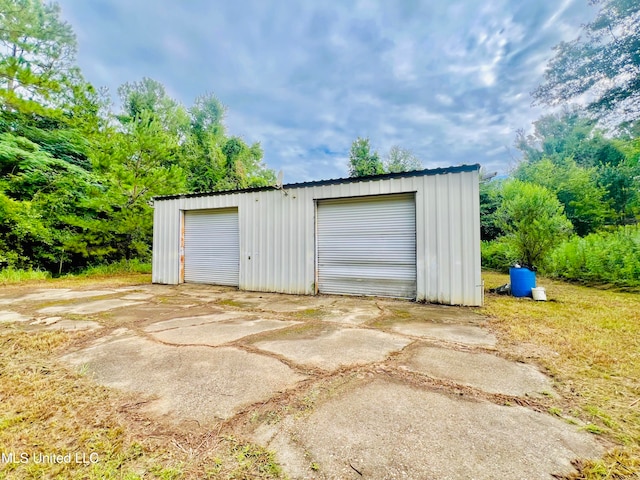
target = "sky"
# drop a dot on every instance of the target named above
(448, 80)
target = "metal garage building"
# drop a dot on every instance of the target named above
(409, 235)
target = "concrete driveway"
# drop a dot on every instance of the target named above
(338, 387)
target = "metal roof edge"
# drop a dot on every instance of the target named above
(333, 181)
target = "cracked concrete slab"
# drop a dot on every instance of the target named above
(389, 430)
(278, 303)
(189, 383)
(449, 332)
(354, 312)
(181, 322)
(11, 316)
(383, 427)
(71, 325)
(46, 321)
(138, 296)
(484, 371)
(96, 306)
(215, 329)
(56, 294)
(344, 346)
(432, 312)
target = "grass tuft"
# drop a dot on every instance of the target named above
(122, 267)
(11, 275)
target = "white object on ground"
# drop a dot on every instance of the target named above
(539, 294)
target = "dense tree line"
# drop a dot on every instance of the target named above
(77, 174)
(596, 178)
(77, 177)
(586, 158)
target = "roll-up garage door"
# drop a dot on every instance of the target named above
(367, 246)
(212, 246)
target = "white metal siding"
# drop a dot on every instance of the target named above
(367, 246)
(211, 247)
(277, 251)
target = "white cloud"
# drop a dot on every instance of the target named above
(444, 99)
(449, 80)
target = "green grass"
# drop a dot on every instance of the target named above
(118, 268)
(11, 275)
(590, 339)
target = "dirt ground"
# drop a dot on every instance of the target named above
(337, 387)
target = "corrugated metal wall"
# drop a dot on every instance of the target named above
(277, 234)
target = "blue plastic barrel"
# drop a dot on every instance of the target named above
(522, 281)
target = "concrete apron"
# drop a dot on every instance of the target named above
(420, 390)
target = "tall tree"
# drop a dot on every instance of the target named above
(204, 161)
(401, 160)
(362, 161)
(568, 134)
(585, 202)
(133, 168)
(37, 54)
(149, 98)
(243, 166)
(604, 63)
(593, 176)
(215, 162)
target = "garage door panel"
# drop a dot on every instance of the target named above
(355, 271)
(212, 252)
(367, 246)
(357, 284)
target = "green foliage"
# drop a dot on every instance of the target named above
(622, 187)
(147, 101)
(37, 50)
(630, 146)
(603, 63)
(37, 191)
(533, 221)
(401, 160)
(362, 161)
(594, 177)
(576, 188)
(243, 167)
(604, 257)
(498, 255)
(117, 268)
(490, 200)
(76, 181)
(568, 134)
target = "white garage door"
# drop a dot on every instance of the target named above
(212, 247)
(367, 246)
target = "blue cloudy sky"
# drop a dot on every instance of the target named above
(449, 80)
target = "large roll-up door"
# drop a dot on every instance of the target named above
(367, 246)
(212, 246)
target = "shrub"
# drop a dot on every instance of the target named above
(604, 257)
(533, 220)
(497, 255)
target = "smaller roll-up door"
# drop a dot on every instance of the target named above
(367, 246)
(212, 247)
